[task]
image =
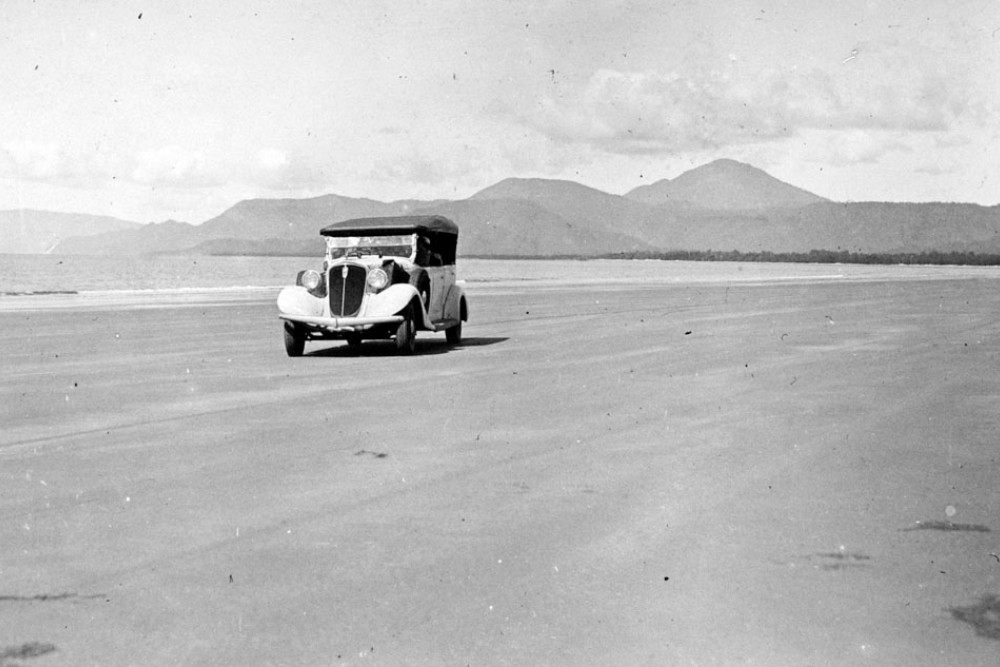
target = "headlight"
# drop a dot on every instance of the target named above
(377, 279)
(311, 279)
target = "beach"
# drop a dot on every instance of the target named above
(716, 465)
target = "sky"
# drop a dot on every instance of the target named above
(157, 110)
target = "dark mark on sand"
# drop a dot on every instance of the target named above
(22, 652)
(377, 455)
(984, 616)
(843, 555)
(46, 597)
(843, 560)
(948, 526)
(834, 560)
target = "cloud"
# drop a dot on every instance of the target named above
(269, 168)
(33, 160)
(423, 171)
(632, 112)
(936, 170)
(952, 141)
(271, 159)
(853, 147)
(58, 163)
(175, 167)
(283, 171)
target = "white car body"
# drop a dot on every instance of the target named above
(381, 278)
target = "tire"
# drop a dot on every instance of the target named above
(295, 343)
(454, 334)
(406, 333)
(353, 341)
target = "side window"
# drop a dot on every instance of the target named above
(423, 257)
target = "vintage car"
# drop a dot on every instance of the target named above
(382, 278)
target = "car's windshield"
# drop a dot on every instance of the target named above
(393, 246)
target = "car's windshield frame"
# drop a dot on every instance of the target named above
(380, 245)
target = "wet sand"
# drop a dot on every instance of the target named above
(781, 472)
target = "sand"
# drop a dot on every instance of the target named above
(779, 472)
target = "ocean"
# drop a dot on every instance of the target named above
(32, 279)
(27, 274)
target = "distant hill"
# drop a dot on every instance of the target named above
(725, 185)
(243, 225)
(489, 228)
(491, 225)
(509, 227)
(160, 237)
(226, 247)
(856, 227)
(722, 206)
(568, 199)
(296, 218)
(31, 231)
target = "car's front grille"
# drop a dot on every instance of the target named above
(346, 289)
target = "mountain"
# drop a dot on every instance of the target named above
(724, 205)
(492, 224)
(578, 204)
(725, 185)
(30, 231)
(247, 222)
(296, 218)
(897, 227)
(159, 237)
(499, 227)
(512, 227)
(866, 227)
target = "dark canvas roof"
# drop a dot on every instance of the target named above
(403, 224)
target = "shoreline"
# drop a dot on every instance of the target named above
(489, 275)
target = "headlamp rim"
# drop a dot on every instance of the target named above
(378, 279)
(311, 279)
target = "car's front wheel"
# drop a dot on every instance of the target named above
(406, 333)
(295, 342)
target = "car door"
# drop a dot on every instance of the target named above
(439, 289)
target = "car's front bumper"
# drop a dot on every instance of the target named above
(341, 324)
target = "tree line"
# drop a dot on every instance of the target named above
(934, 257)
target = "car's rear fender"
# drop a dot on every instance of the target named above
(453, 304)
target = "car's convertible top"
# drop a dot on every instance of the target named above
(404, 224)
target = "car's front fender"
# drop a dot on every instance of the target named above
(393, 299)
(297, 300)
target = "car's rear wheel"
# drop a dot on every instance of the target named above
(454, 334)
(406, 333)
(295, 342)
(353, 340)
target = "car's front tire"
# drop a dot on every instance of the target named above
(406, 333)
(295, 342)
